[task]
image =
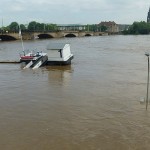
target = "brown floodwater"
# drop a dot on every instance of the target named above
(91, 105)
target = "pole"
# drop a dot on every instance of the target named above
(147, 84)
(20, 34)
(2, 25)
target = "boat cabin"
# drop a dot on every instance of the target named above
(59, 53)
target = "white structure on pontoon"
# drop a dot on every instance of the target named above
(59, 53)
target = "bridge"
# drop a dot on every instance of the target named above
(46, 35)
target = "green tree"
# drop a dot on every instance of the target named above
(13, 27)
(22, 26)
(51, 27)
(103, 28)
(32, 26)
(38, 27)
(41, 27)
(95, 28)
(91, 27)
(138, 28)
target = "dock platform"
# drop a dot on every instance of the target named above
(9, 62)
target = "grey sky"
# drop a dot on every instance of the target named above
(74, 11)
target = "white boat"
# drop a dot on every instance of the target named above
(33, 60)
(59, 54)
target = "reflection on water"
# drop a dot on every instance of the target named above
(92, 104)
(60, 74)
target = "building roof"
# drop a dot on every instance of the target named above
(70, 25)
(109, 23)
(55, 46)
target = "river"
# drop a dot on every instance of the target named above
(91, 105)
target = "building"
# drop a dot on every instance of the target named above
(148, 16)
(71, 27)
(111, 26)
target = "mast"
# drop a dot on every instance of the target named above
(20, 35)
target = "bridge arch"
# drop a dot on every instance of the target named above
(88, 34)
(44, 36)
(4, 37)
(70, 35)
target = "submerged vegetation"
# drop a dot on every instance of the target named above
(138, 28)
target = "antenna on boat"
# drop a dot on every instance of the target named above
(20, 35)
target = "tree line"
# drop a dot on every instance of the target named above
(34, 26)
(138, 28)
(134, 29)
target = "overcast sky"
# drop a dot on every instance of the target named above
(73, 11)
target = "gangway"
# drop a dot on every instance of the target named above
(28, 65)
(41, 60)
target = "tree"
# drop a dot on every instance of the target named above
(103, 28)
(38, 27)
(92, 27)
(41, 27)
(32, 26)
(22, 27)
(14, 27)
(51, 27)
(138, 28)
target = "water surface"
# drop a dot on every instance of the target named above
(91, 105)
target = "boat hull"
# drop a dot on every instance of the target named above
(50, 63)
(59, 63)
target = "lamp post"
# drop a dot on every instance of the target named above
(147, 54)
